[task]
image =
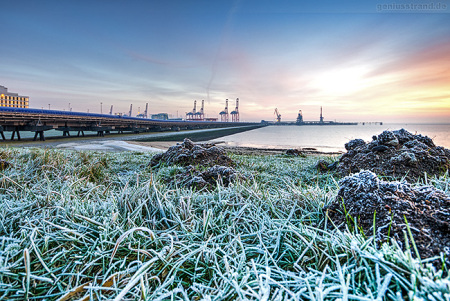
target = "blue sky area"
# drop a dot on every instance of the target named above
(360, 60)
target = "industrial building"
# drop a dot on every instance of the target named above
(160, 116)
(13, 100)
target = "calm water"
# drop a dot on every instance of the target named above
(328, 138)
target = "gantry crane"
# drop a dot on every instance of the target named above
(235, 113)
(224, 114)
(201, 114)
(191, 115)
(146, 111)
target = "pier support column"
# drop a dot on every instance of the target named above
(66, 133)
(16, 130)
(82, 133)
(3, 135)
(41, 135)
(100, 133)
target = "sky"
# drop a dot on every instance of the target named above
(372, 60)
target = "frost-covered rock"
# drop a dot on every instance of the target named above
(188, 153)
(396, 154)
(426, 209)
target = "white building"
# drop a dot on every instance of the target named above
(13, 100)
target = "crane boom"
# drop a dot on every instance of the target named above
(110, 111)
(131, 109)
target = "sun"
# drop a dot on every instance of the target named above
(341, 81)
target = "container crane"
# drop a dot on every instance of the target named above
(278, 115)
(201, 114)
(191, 115)
(224, 114)
(146, 111)
(235, 113)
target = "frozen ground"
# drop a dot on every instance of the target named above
(107, 145)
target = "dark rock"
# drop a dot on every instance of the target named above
(379, 148)
(4, 164)
(396, 154)
(333, 165)
(295, 152)
(352, 144)
(387, 138)
(426, 209)
(188, 153)
(324, 166)
(217, 174)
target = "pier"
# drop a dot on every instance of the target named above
(16, 120)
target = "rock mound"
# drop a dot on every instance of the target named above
(188, 153)
(426, 209)
(223, 175)
(397, 154)
(295, 152)
(206, 165)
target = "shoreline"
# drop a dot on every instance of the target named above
(238, 150)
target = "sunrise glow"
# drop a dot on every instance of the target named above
(359, 62)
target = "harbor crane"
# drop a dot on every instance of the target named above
(277, 114)
(235, 113)
(146, 111)
(201, 114)
(191, 115)
(224, 114)
(111, 110)
(131, 109)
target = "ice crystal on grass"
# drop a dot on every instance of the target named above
(127, 234)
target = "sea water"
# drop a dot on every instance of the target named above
(328, 137)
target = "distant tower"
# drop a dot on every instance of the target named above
(321, 116)
(224, 114)
(235, 113)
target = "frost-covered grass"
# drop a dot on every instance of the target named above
(104, 226)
